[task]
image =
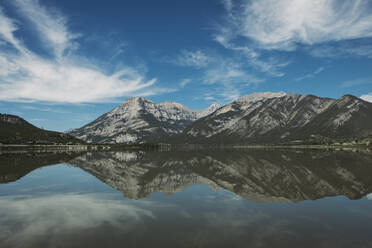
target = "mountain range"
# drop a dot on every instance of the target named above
(258, 118)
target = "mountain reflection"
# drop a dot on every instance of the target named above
(14, 166)
(258, 175)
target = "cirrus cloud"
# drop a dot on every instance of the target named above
(283, 24)
(64, 78)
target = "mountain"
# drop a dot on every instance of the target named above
(270, 118)
(258, 118)
(257, 175)
(140, 120)
(15, 130)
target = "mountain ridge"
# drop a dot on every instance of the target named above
(257, 118)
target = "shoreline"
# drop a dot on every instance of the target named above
(169, 147)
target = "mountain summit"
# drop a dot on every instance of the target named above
(140, 120)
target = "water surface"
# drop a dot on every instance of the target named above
(221, 198)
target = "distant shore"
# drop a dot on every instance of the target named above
(77, 147)
(164, 147)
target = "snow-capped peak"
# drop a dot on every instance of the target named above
(172, 105)
(214, 106)
(136, 99)
(201, 113)
(258, 96)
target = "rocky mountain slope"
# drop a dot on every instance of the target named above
(258, 118)
(15, 130)
(260, 175)
(140, 120)
(281, 118)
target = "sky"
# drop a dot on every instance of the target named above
(64, 63)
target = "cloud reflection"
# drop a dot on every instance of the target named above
(26, 219)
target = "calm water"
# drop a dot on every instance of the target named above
(254, 198)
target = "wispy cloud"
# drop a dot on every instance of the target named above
(184, 82)
(273, 24)
(222, 94)
(7, 28)
(230, 80)
(46, 109)
(367, 97)
(50, 24)
(310, 75)
(228, 35)
(64, 78)
(197, 58)
(355, 82)
(228, 72)
(344, 49)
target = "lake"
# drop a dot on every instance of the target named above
(205, 198)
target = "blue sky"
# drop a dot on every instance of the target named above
(64, 63)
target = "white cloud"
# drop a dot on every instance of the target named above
(227, 72)
(230, 94)
(310, 75)
(228, 4)
(66, 82)
(230, 79)
(345, 49)
(7, 28)
(197, 59)
(46, 109)
(272, 66)
(61, 214)
(155, 91)
(367, 97)
(26, 76)
(51, 25)
(184, 82)
(229, 31)
(355, 82)
(283, 24)
(229, 75)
